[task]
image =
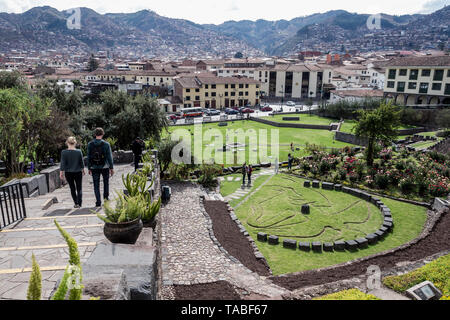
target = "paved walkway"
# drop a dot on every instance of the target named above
(244, 190)
(37, 234)
(189, 256)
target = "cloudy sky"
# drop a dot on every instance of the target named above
(218, 11)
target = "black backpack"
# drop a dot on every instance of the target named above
(97, 155)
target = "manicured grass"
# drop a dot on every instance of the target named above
(300, 137)
(423, 145)
(348, 125)
(438, 272)
(229, 187)
(409, 221)
(352, 294)
(304, 119)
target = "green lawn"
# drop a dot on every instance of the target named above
(304, 119)
(423, 145)
(300, 137)
(352, 294)
(348, 125)
(230, 187)
(275, 209)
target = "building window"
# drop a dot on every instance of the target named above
(448, 73)
(233, 94)
(423, 87)
(403, 72)
(246, 93)
(413, 74)
(206, 86)
(213, 94)
(438, 75)
(392, 74)
(188, 98)
(233, 86)
(426, 72)
(246, 85)
(213, 86)
(226, 94)
(436, 87)
(241, 94)
(401, 86)
(226, 86)
(188, 90)
(197, 90)
(241, 86)
(206, 94)
(412, 85)
(447, 89)
(391, 84)
(197, 98)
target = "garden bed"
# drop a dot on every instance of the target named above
(435, 242)
(232, 240)
(220, 290)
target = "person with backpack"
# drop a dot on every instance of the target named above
(137, 147)
(100, 163)
(249, 174)
(72, 169)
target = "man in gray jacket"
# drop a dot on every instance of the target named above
(100, 163)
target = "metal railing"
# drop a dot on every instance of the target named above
(12, 205)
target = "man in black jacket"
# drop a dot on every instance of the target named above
(137, 147)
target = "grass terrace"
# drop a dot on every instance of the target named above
(304, 119)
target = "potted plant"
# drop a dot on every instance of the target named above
(123, 223)
(150, 210)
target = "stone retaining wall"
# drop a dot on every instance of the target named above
(292, 125)
(350, 138)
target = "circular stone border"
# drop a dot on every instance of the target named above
(349, 245)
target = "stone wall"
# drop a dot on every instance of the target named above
(350, 138)
(291, 125)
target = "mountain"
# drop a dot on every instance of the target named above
(143, 32)
(147, 33)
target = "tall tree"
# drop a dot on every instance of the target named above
(10, 80)
(380, 124)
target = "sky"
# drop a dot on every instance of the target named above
(218, 11)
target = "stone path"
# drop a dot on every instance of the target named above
(244, 190)
(189, 256)
(37, 234)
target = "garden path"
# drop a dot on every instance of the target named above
(190, 256)
(244, 190)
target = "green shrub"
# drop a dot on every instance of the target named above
(35, 283)
(209, 174)
(381, 180)
(438, 272)
(407, 185)
(352, 294)
(127, 209)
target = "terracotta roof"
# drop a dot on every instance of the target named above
(430, 61)
(359, 93)
(132, 73)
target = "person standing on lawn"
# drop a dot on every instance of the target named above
(72, 170)
(244, 173)
(137, 147)
(290, 159)
(100, 163)
(249, 174)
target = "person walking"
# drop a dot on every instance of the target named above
(72, 170)
(244, 173)
(100, 163)
(137, 147)
(249, 174)
(290, 159)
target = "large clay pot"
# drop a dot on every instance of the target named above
(126, 233)
(150, 224)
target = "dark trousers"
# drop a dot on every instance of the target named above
(249, 178)
(137, 159)
(74, 179)
(96, 173)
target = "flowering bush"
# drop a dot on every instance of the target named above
(381, 180)
(407, 185)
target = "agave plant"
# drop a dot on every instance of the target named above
(127, 209)
(150, 209)
(136, 184)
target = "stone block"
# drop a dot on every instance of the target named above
(338, 187)
(290, 244)
(339, 245)
(262, 237)
(274, 240)
(304, 246)
(316, 184)
(384, 229)
(381, 234)
(317, 246)
(374, 200)
(305, 209)
(346, 189)
(379, 204)
(42, 184)
(388, 225)
(366, 196)
(327, 186)
(328, 247)
(307, 184)
(388, 219)
(111, 285)
(372, 238)
(362, 243)
(31, 184)
(351, 245)
(52, 177)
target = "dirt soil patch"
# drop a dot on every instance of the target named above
(436, 242)
(220, 290)
(227, 233)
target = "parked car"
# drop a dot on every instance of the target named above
(266, 109)
(231, 111)
(214, 112)
(247, 110)
(290, 104)
(175, 116)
